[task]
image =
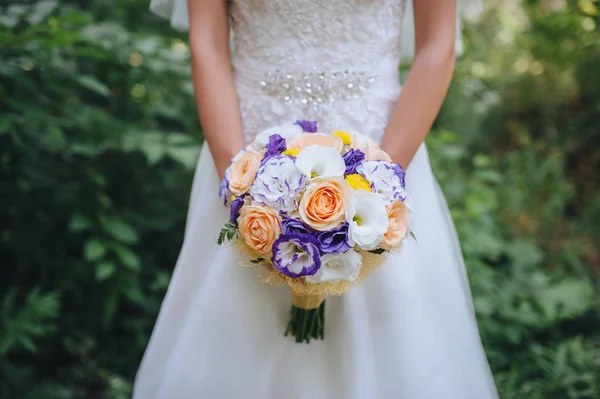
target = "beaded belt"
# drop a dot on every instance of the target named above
(314, 89)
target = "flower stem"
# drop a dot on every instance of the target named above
(306, 323)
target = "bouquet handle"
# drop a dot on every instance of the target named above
(307, 317)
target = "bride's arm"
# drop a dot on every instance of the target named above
(427, 82)
(216, 97)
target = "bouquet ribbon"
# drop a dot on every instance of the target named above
(307, 302)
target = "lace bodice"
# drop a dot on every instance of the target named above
(292, 34)
(334, 61)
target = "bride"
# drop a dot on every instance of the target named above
(409, 332)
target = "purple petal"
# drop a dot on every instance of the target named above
(308, 126)
(352, 159)
(224, 190)
(294, 226)
(275, 146)
(334, 241)
(398, 171)
(303, 244)
(236, 205)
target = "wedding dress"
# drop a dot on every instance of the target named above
(409, 332)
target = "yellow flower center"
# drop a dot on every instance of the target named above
(345, 136)
(293, 152)
(233, 197)
(358, 182)
(313, 175)
(357, 219)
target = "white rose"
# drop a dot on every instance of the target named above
(320, 161)
(386, 178)
(277, 183)
(337, 267)
(367, 218)
(287, 131)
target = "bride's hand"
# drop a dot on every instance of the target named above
(222, 162)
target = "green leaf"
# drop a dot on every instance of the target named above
(111, 305)
(105, 270)
(79, 222)
(257, 260)
(377, 251)
(227, 233)
(5, 125)
(133, 292)
(27, 343)
(567, 298)
(128, 258)
(93, 84)
(222, 236)
(411, 234)
(119, 230)
(94, 249)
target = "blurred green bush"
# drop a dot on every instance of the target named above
(99, 136)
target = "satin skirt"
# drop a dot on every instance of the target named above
(409, 332)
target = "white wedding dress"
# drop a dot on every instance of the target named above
(409, 332)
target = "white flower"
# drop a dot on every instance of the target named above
(359, 141)
(367, 218)
(337, 267)
(277, 183)
(320, 161)
(287, 131)
(386, 178)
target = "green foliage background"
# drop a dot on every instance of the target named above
(99, 137)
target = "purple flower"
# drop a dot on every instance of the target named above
(224, 192)
(294, 226)
(398, 171)
(334, 241)
(296, 255)
(308, 126)
(236, 205)
(275, 146)
(386, 178)
(352, 159)
(277, 183)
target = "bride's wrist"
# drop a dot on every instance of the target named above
(395, 155)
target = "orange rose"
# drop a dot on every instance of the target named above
(324, 202)
(398, 218)
(243, 172)
(307, 139)
(260, 227)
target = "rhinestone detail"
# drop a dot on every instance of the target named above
(314, 89)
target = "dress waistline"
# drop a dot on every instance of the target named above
(315, 86)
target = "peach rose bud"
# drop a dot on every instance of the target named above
(375, 153)
(260, 227)
(243, 171)
(397, 226)
(324, 203)
(308, 139)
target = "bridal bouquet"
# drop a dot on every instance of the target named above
(318, 212)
